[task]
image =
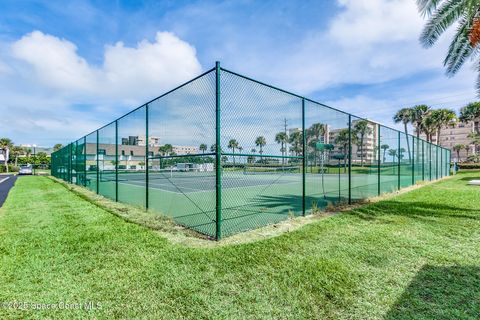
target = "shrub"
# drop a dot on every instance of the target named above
(11, 168)
(469, 165)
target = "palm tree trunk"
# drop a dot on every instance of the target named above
(438, 137)
(408, 142)
(361, 151)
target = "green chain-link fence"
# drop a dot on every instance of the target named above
(224, 153)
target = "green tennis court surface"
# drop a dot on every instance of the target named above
(247, 199)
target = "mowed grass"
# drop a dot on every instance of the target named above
(414, 256)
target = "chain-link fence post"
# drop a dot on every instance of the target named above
(423, 160)
(412, 159)
(304, 154)
(378, 162)
(98, 165)
(349, 159)
(218, 156)
(399, 154)
(147, 151)
(85, 161)
(116, 160)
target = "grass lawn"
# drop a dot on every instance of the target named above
(414, 256)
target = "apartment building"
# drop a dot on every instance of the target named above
(456, 134)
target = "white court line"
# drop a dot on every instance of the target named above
(4, 179)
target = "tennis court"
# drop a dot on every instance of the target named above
(224, 153)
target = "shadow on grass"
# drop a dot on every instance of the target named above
(476, 177)
(440, 293)
(414, 209)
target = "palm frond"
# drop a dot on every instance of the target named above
(460, 48)
(443, 18)
(426, 7)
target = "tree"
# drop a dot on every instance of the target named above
(405, 116)
(361, 129)
(457, 148)
(166, 150)
(251, 158)
(260, 142)
(314, 133)
(232, 144)
(475, 138)
(429, 127)
(282, 138)
(17, 151)
(419, 113)
(5, 145)
(342, 141)
(442, 117)
(384, 147)
(295, 140)
(393, 154)
(444, 13)
(203, 147)
(57, 147)
(28, 151)
(470, 112)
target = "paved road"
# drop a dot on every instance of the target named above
(6, 183)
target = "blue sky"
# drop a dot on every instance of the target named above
(68, 68)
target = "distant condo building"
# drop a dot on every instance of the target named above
(453, 135)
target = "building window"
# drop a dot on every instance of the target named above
(123, 152)
(101, 151)
(150, 153)
(131, 152)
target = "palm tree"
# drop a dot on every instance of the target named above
(361, 129)
(166, 150)
(232, 144)
(458, 148)
(260, 142)
(384, 147)
(401, 152)
(28, 151)
(282, 138)
(404, 116)
(314, 133)
(429, 127)
(470, 112)
(295, 140)
(5, 145)
(342, 141)
(443, 117)
(203, 147)
(419, 113)
(393, 154)
(17, 151)
(251, 159)
(443, 14)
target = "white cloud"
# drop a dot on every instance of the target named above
(47, 85)
(145, 70)
(363, 23)
(367, 42)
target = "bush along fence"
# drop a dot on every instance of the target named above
(224, 153)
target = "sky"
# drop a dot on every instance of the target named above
(69, 67)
